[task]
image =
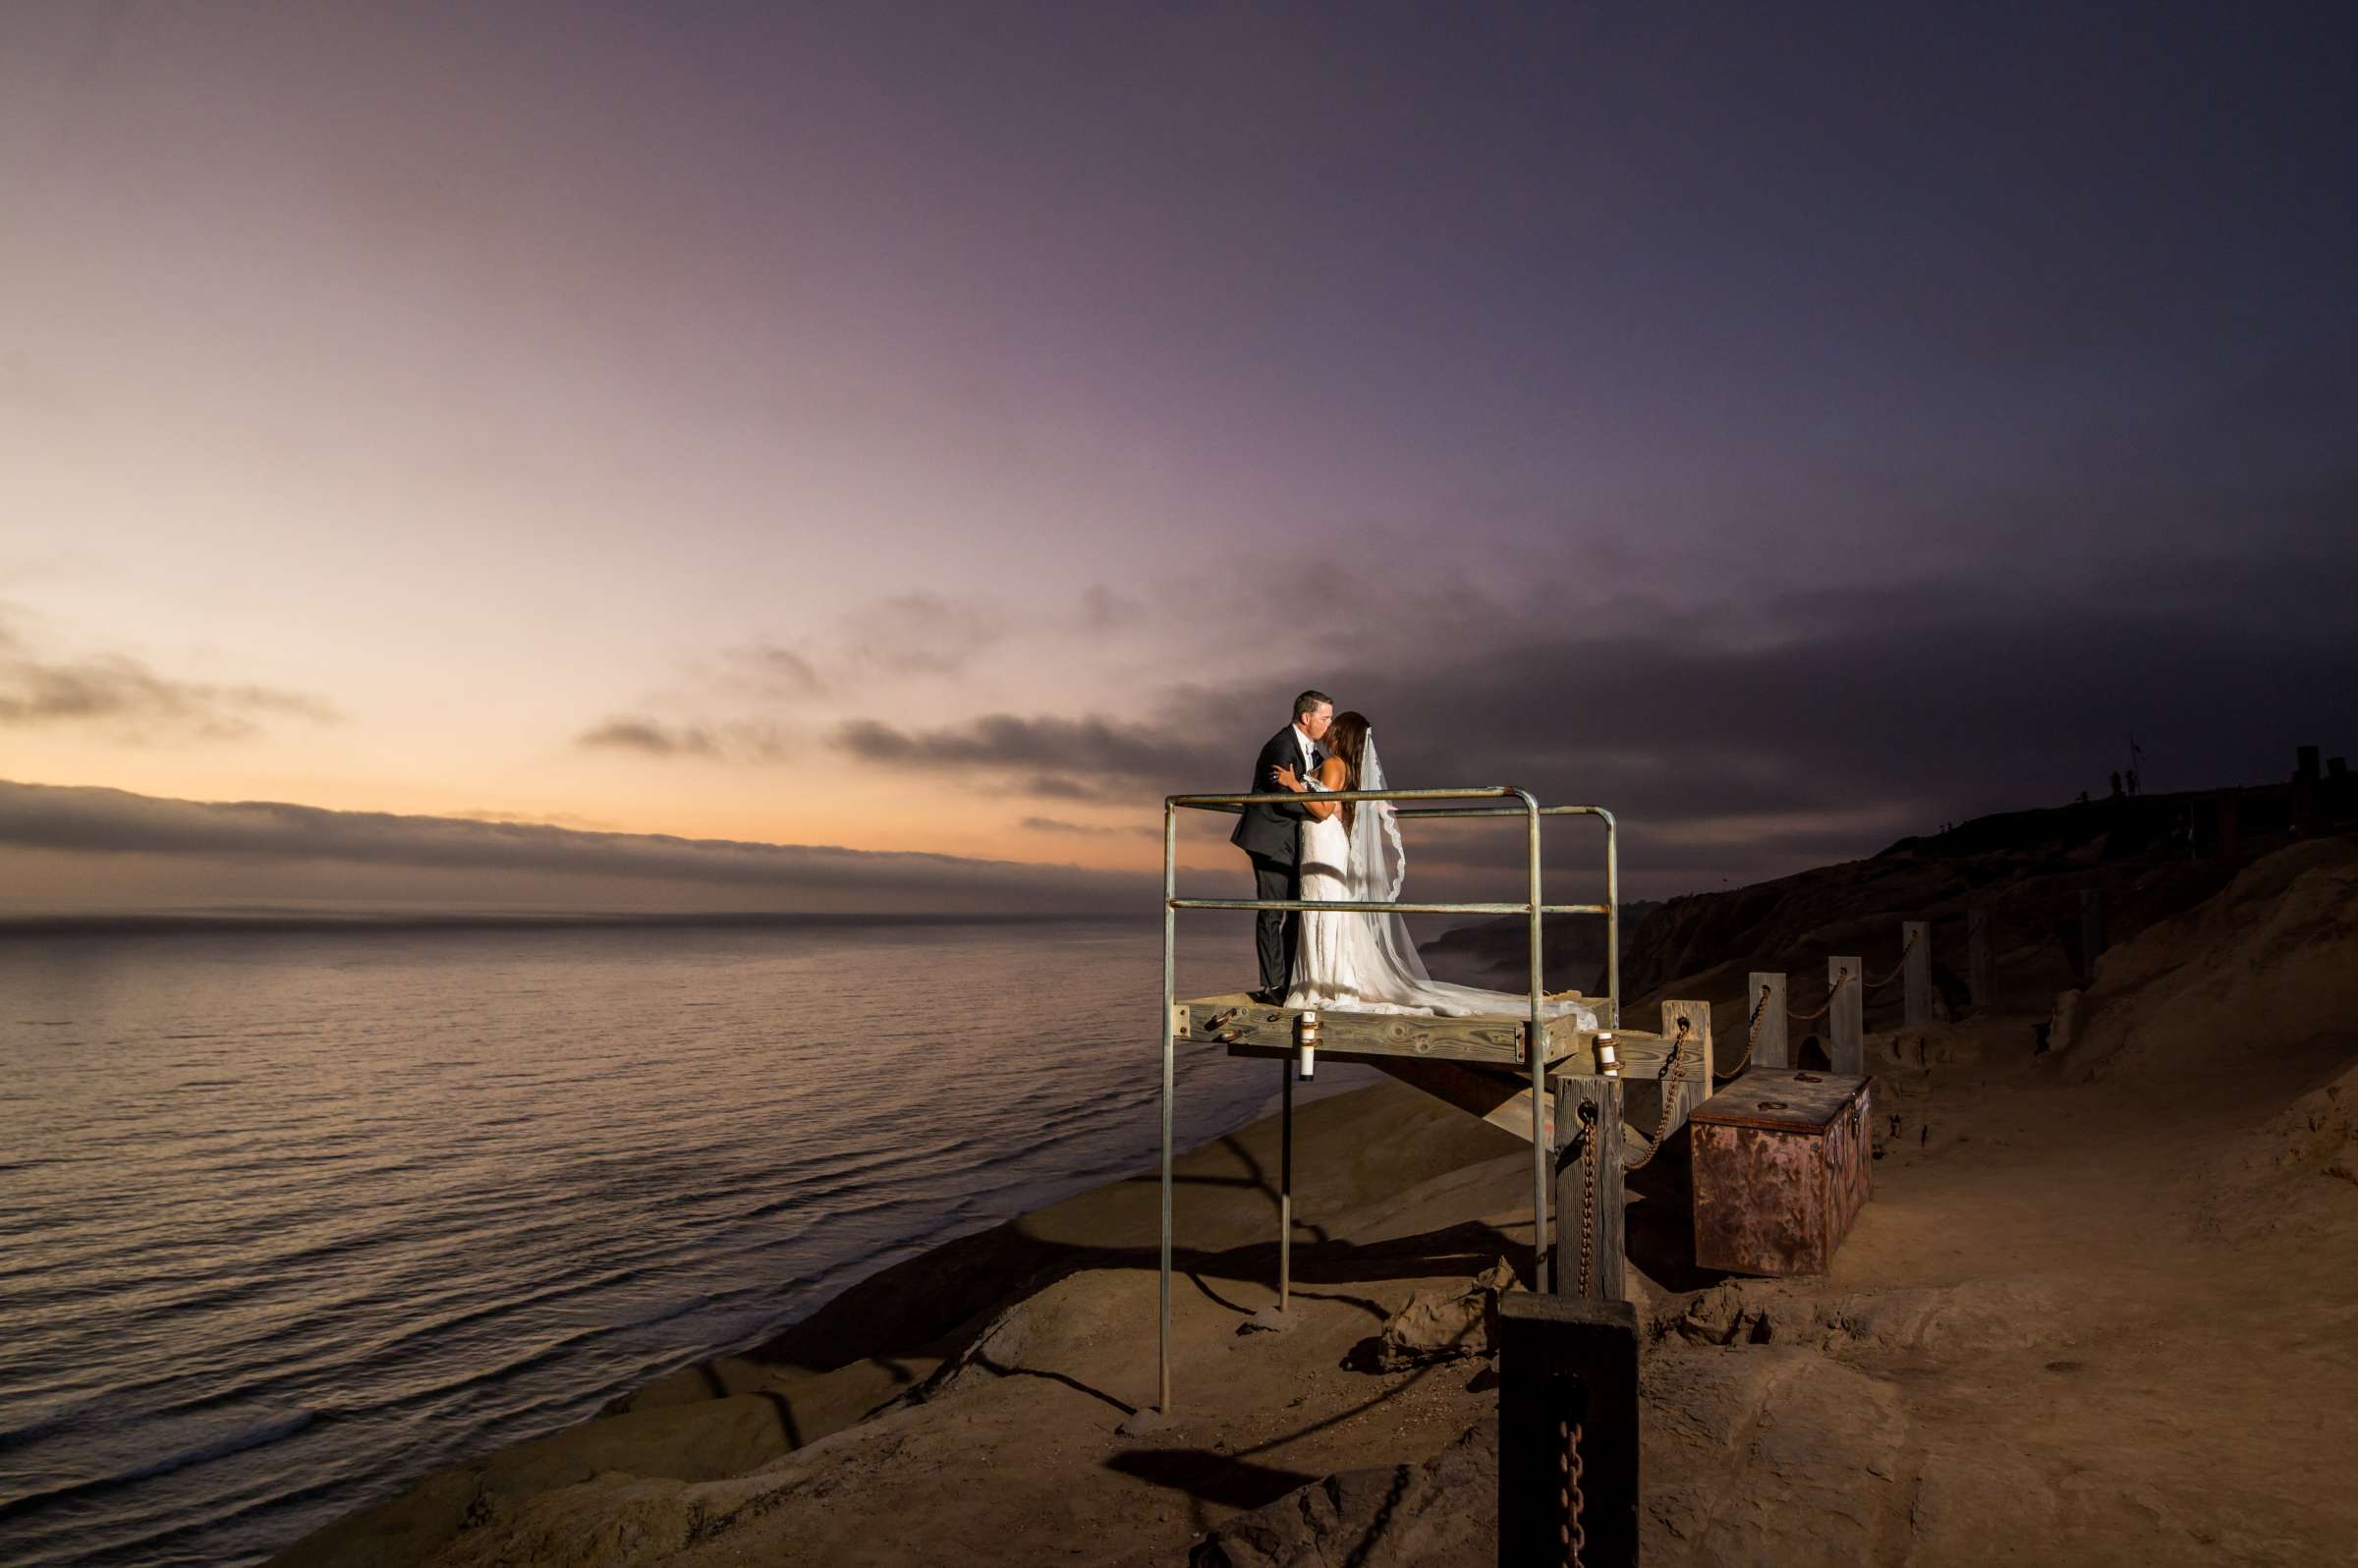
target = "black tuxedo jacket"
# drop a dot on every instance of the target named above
(1267, 831)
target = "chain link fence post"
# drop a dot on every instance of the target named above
(1587, 1189)
(1754, 1023)
(1916, 972)
(1846, 1047)
(1978, 973)
(1770, 1048)
(2092, 930)
(1703, 1050)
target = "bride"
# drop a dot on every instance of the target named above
(1351, 853)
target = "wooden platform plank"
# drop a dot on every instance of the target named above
(1500, 1094)
(1250, 1028)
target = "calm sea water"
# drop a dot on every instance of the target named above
(289, 1220)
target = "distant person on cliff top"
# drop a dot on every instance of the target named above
(1269, 836)
(1350, 852)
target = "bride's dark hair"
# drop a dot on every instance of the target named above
(1347, 737)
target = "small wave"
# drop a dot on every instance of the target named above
(254, 1436)
(42, 1423)
(665, 1315)
(234, 1440)
(477, 1378)
(155, 1540)
(428, 1333)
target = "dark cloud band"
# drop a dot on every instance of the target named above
(134, 701)
(106, 822)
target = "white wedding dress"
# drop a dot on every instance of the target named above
(1358, 963)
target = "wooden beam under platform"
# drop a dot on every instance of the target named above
(1236, 1021)
(1475, 1063)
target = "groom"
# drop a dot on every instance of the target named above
(1267, 835)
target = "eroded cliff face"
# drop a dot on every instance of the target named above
(1496, 953)
(2269, 964)
(2028, 869)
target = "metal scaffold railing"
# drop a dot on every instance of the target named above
(1532, 907)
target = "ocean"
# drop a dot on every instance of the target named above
(289, 1220)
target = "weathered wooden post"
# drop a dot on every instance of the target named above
(1588, 1237)
(1916, 972)
(1567, 1431)
(1695, 1081)
(1845, 1021)
(2092, 930)
(1771, 1050)
(2231, 829)
(1978, 975)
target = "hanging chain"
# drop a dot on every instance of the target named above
(1588, 1196)
(1841, 979)
(1876, 985)
(1752, 1038)
(1667, 1081)
(1573, 1534)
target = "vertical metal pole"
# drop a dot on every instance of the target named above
(1286, 1188)
(1170, 916)
(1539, 1151)
(1612, 924)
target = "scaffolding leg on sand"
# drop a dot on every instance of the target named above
(1285, 1187)
(1535, 1045)
(1170, 861)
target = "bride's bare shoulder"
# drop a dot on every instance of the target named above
(1331, 772)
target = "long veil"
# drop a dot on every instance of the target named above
(1392, 975)
(1375, 873)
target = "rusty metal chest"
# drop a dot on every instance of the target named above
(1781, 1169)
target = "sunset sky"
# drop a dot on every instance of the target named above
(949, 428)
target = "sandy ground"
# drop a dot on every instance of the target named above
(2103, 1308)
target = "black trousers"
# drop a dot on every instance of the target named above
(1276, 932)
